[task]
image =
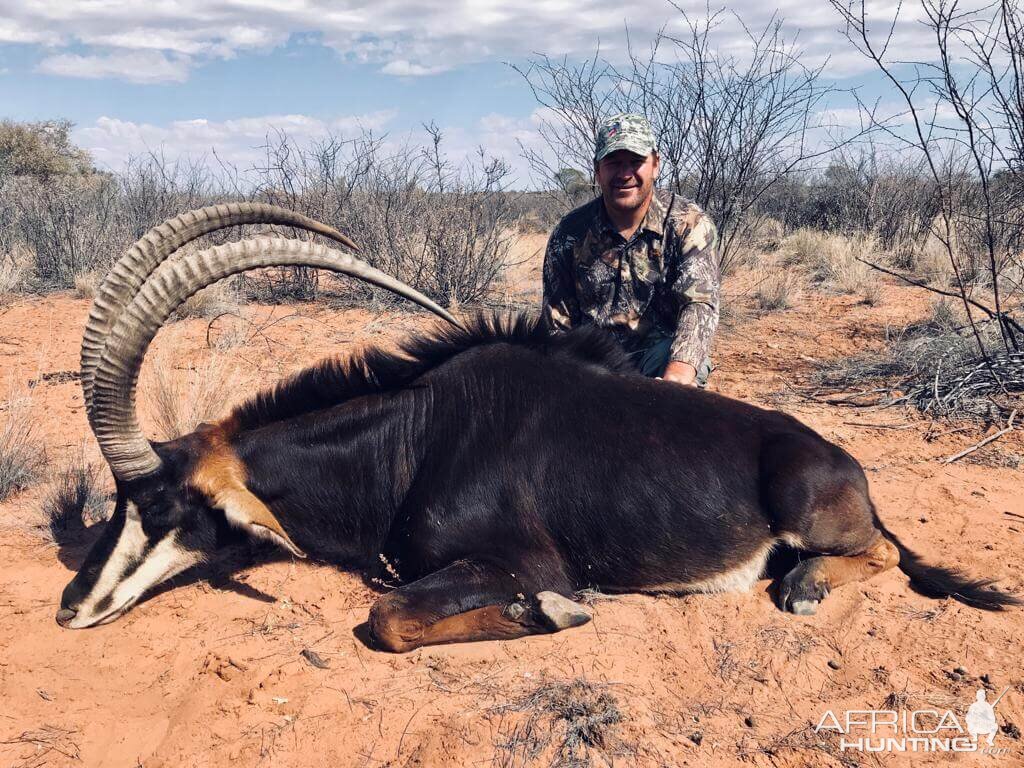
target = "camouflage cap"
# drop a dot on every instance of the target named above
(624, 131)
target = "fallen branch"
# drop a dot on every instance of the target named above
(986, 441)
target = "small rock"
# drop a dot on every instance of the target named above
(960, 671)
(835, 664)
(1011, 730)
(922, 519)
(314, 658)
(986, 679)
(697, 737)
(750, 721)
(956, 677)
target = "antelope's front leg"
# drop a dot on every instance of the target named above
(469, 601)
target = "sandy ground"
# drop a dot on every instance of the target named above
(210, 671)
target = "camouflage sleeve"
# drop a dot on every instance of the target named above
(560, 309)
(698, 288)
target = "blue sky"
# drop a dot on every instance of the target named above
(187, 76)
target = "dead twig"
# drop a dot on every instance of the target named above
(986, 441)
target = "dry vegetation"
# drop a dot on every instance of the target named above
(571, 723)
(76, 497)
(178, 401)
(22, 454)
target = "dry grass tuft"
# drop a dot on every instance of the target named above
(578, 718)
(87, 283)
(213, 300)
(22, 454)
(834, 261)
(76, 497)
(15, 266)
(777, 288)
(181, 399)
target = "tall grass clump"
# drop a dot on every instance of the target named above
(777, 288)
(179, 400)
(22, 454)
(835, 261)
(76, 497)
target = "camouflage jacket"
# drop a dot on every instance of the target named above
(664, 279)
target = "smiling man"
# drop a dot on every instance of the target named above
(637, 261)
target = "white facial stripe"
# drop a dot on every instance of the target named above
(131, 543)
(163, 561)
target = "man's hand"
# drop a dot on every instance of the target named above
(680, 373)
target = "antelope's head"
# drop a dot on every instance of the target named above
(178, 502)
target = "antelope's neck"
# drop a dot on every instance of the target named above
(336, 478)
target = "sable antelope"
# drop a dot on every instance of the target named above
(500, 468)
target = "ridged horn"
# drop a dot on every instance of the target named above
(123, 281)
(115, 423)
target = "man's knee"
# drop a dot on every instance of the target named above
(703, 372)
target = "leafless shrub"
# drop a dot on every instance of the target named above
(179, 400)
(22, 454)
(962, 117)
(152, 188)
(935, 368)
(579, 718)
(76, 497)
(445, 229)
(75, 224)
(864, 188)
(777, 288)
(69, 224)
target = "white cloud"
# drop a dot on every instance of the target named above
(404, 68)
(134, 66)
(403, 37)
(238, 142)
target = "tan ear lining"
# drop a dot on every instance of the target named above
(220, 476)
(243, 509)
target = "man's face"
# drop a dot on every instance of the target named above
(626, 179)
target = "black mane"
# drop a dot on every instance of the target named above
(335, 380)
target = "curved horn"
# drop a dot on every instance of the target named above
(122, 282)
(115, 423)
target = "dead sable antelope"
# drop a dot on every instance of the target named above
(499, 468)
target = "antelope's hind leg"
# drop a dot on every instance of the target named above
(820, 505)
(804, 587)
(469, 601)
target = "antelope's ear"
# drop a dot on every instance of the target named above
(220, 475)
(244, 510)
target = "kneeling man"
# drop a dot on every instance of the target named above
(640, 262)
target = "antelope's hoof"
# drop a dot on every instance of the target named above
(800, 593)
(561, 612)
